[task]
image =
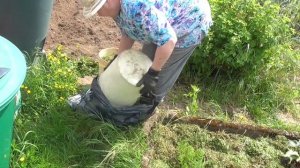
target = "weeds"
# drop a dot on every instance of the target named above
(189, 157)
(193, 108)
(49, 134)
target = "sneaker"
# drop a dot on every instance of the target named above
(74, 101)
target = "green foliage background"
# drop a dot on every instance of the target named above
(242, 32)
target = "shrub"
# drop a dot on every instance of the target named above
(292, 9)
(274, 86)
(243, 30)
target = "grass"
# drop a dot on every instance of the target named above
(220, 149)
(272, 89)
(66, 140)
(48, 134)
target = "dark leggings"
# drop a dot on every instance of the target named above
(171, 70)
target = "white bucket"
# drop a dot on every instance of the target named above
(118, 81)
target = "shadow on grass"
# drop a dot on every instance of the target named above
(65, 139)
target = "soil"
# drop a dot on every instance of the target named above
(78, 35)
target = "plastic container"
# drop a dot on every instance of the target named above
(118, 81)
(25, 23)
(13, 59)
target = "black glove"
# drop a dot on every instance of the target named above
(149, 80)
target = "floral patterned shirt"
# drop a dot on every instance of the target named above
(157, 21)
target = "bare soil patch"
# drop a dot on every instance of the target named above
(79, 35)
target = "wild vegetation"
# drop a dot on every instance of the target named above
(247, 71)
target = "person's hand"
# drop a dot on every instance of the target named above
(149, 81)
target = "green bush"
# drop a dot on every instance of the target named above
(243, 30)
(275, 86)
(291, 8)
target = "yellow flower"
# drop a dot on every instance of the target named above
(28, 91)
(22, 159)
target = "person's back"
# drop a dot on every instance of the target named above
(155, 20)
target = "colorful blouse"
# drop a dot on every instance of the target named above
(157, 21)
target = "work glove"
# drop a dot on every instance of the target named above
(149, 81)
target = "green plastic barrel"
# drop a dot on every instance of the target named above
(12, 60)
(25, 23)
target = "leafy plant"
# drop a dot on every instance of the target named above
(87, 67)
(291, 8)
(193, 106)
(242, 32)
(190, 157)
(292, 155)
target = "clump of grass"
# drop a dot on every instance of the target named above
(49, 134)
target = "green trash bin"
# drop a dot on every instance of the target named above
(12, 75)
(25, 23)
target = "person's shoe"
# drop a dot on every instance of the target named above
(74, 101)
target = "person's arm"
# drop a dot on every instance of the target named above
(158, 31)
(162, 54)
(125, 43)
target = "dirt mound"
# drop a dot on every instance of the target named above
(79, 35)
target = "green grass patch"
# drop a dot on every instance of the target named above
(261, 95)
(49, 134)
